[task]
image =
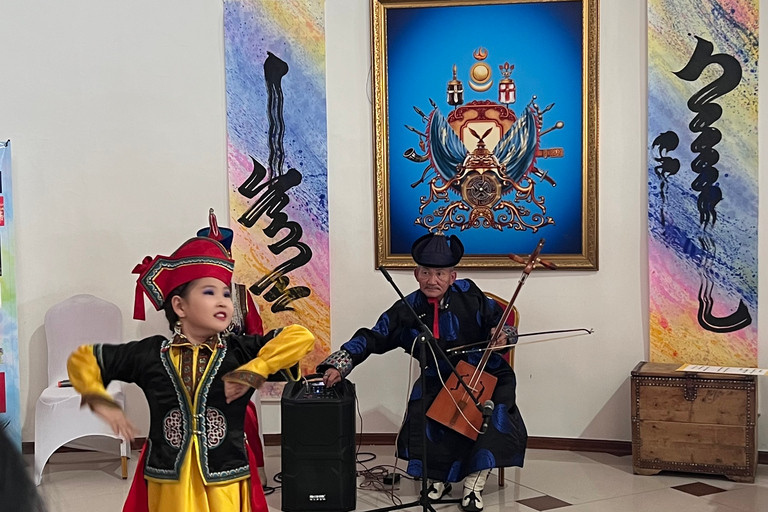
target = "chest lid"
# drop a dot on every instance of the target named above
(669, 370)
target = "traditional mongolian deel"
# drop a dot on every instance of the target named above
(703, 181)
(196, 452)
(276, 125)
(200, 412)
(10, 405)
(465, 315)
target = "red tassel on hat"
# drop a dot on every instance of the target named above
(138, 304)
(214, 225)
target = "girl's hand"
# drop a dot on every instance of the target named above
(234, 390)
(116, 418)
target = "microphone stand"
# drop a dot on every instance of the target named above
(425, 337)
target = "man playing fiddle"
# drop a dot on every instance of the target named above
(458, 313)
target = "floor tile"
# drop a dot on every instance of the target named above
(100, 503)
(84, 475)
(662, 500)
(544, 503)
(576, 478)
(624, 463)
(761, 478)
(748, 499)
(593, 482)
(698, 489)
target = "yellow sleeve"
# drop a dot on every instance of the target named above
(279, 353)
(85, 376)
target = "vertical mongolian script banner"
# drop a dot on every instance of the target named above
(10, 404)
(277, 160)
(703, 181)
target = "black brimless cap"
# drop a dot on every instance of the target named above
(437, 250)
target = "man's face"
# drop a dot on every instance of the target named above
(434, 282)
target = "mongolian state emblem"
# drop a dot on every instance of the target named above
(484, 157)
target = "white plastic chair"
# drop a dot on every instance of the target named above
(59, 418)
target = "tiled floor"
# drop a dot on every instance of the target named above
(551, 480)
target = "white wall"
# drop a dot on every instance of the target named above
(117, 117)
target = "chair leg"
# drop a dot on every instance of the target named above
(124, 465)
(502, 482)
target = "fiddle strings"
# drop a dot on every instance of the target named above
(445, 386)
(480, 367)
(490, 348)
(473, 380)
(498, 331)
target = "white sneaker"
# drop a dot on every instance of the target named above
(436, 490)
(472, 500)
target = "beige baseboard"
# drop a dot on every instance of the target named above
(619, 448)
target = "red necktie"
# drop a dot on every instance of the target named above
(436, 321)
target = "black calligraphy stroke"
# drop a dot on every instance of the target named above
(271, 197)
(668, 166)
(710, 194)
(274, 71)
(707, 112)
(737, 320)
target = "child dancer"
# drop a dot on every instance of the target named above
(197, 383)
(245, 320)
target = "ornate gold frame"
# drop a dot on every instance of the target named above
(588, 260)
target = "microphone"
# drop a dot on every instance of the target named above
(487, 411)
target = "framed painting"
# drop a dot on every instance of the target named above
(485, 125)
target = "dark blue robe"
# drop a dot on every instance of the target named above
(465, 315)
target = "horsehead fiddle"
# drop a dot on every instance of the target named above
(450, 406)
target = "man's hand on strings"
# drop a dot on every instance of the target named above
(508, 337)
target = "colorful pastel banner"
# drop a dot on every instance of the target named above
(277, 159)
(703, 181)
(10, 405)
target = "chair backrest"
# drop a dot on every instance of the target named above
(512, 320)
(78, 320)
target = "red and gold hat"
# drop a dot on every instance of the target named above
(196, 258)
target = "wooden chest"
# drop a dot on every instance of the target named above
(695, 422)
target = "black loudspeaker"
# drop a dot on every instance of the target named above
(318, 447)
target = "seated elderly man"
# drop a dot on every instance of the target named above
(458, 313)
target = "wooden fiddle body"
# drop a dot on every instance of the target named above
(443, 410)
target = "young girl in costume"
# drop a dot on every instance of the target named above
(197, 383)
(245, 320)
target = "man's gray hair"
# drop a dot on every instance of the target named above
(450, 269)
